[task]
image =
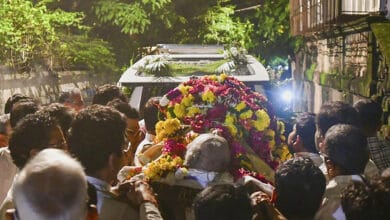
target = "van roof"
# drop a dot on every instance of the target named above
(189, 49)
(132, 77)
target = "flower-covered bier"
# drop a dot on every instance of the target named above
(225, 105)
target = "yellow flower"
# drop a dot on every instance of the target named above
(233, 130)
(283, 153)
(222, 77)
(270, 133)
(213, 77)
(184, 89)
(174, 123)
(281, 127)
(271, 144)
(187, 100)
(208, 96)
(240, 106)
(171, 126)
(179, 110)
(263, 120)
(192, 111)
(230, 119)
(159, 126)
(161, 136)
(246, 115)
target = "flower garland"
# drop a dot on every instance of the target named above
(162, 167)
(225, 105)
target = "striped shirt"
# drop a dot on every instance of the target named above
(380, 152)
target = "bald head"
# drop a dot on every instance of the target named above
(208, 152)
(51, 186)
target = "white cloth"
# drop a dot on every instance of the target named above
(331, 205)
(370, 170)
(110, 208)
(201, 176)
(148, 141)
(8, 202)
(8, 171)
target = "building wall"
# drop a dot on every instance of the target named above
(46, 86)
(337, 65)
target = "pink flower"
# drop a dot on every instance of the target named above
(243, 172)
(174, 148)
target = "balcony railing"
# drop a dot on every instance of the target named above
(317, 15)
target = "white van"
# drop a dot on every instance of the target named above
(194, 58)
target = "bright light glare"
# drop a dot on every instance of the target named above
(287, 96)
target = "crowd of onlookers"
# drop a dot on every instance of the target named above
(63, 161)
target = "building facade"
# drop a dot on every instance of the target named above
(345, 54)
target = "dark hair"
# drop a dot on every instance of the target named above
(369, 113)
(14, 99)
(333, 113)
(20, 110)
(151, 111)
(32, 132)
(366, 201)
(64, 115)
(346, 147)
(106, 93)
(299, 185)
(306, 127)
(223, 201)
(124, 108)
(96, 132)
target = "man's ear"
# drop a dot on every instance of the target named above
(113, 161)
(331, 168)
(297, 141)
(321, 143)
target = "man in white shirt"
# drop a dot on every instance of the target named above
(346, 155)
(150, 113)
(97, 139)
(334, 113)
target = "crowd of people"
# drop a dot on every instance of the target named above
(66, 160)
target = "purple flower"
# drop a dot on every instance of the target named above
(173, 94)
(218, 112)
(237, 148)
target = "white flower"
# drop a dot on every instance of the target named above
(234, 51)
(164, 101)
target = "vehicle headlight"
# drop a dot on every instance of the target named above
(287, 95)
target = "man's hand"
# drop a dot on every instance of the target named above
(263, 207)
(254, 185)
(141, 192)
